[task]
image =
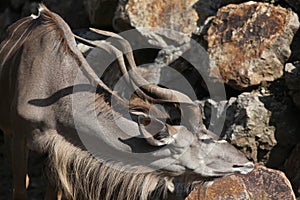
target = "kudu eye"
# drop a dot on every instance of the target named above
(154, 131)
(161, 134)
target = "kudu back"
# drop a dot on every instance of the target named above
(99, 145)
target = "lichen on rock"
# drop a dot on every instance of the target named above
(249, 43)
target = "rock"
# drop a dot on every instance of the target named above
(171, 75)
(292, 168)
(292, 78)
(254, 123)
(158, 72)
(262, 183)
(294, 4)
(285, 119)
(101, 12)
(247, 124)
(249, 43)
(207, 8)
(173, 17)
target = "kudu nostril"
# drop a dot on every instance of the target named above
(244, 168)
(237, 166)
(248, 164)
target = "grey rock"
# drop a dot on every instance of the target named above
(247, 124)
(257, 124)
(285, 119)
(250, 127)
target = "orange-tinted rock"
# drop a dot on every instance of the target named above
(207, 8)
(176, 15)
(292, 168)
(249, 43)
(260, 184)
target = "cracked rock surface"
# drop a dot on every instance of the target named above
(249, 43)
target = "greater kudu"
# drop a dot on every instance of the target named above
(39, 81)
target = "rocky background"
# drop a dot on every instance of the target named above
(253, 46)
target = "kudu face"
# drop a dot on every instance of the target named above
(197, 152)
(212, 158)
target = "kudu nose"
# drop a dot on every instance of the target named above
(243, 168)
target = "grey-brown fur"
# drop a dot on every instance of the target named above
(78, 173)
(82, 176)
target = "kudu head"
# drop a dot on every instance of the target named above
(194, 151)
(179, 138)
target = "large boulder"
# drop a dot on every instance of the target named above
(249, 43)
(208, 8)
(171, 17)
(261, 184)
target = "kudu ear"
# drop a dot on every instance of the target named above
(155, 132)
